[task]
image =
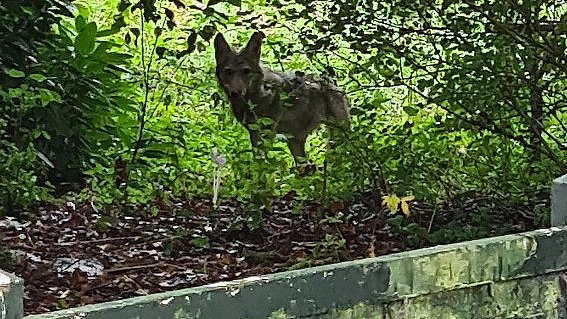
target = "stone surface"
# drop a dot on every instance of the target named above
(522, 298)
(559, 201)
(11, 296)
(514, 276)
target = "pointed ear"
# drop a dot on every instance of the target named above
(221, 47)
(252, 49)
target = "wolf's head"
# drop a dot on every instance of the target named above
(239, 72)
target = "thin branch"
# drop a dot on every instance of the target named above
(142, 114)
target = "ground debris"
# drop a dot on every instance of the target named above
(74, 254)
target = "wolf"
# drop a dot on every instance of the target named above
(296, 102)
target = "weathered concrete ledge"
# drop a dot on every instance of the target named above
(514, 276)
(559, 201)
(11, 296)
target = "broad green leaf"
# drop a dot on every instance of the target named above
(37, 77)
(85, 41)
(15, 92)
(15, 73)
(80, 23)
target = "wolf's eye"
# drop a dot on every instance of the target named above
(228, 71)
(246, 71)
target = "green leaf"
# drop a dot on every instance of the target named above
(15, 92)
(80, 23)
(46, 135)
(37, 77)
(83, 10)
(47, 96)
(15, 73)
(85, 41)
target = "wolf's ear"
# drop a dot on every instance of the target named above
(252, 49)
(221, 47)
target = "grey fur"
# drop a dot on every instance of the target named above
(296, 103)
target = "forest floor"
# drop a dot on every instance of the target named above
(76, 254)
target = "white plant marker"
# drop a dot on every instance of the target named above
(218, 163)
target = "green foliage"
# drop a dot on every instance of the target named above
(452, 96)
(19, 182)
(64, 103)
(447, 98)
(494, 68)
(24, 31)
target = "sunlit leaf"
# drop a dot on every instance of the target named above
(82, 10)
(391, 201)
(404, 204)
(405, 208)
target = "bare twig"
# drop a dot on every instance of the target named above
(122, 269)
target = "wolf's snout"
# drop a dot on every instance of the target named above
(235, 87)
(235, 94)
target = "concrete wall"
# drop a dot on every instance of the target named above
(514, 276)
(11, 296)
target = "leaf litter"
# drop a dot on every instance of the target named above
(74, 254)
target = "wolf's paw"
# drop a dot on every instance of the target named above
(305, 169)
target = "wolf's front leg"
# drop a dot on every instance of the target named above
(254, 137)
(297, 148)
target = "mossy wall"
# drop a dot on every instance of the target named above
(514, 276)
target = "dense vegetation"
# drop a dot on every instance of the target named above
(114, 130)
(116, 103)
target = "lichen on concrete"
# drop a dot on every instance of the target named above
(521, 298)
(514, 276)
